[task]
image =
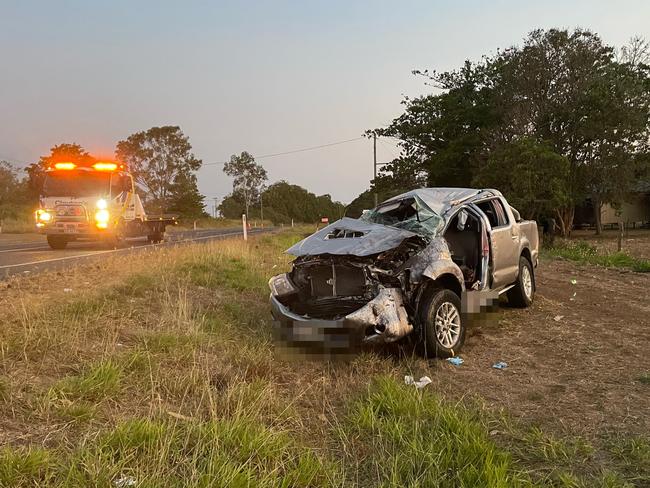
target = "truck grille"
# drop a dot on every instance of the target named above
(71, 213)
(337, 281)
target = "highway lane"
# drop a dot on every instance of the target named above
(32, 256)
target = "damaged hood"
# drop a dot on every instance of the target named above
(351, 237)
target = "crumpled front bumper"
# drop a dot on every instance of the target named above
(382, 319)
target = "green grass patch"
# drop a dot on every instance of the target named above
(405, 437)
(584, 253)
(93, 384)
(225, 453)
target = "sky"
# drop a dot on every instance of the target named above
(257, 76)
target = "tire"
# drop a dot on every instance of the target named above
(114, 241)
(440, 317)
(57, 242)
(155, 238)
(523, 293)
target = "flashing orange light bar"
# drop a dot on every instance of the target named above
(65, 165)
(104, 166)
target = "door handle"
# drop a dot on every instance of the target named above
(515, 237)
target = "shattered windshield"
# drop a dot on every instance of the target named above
(410, 214)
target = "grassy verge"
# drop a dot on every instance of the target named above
(584, 253)
(140, 377)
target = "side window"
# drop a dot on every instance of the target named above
(116, 185)
(494, 211)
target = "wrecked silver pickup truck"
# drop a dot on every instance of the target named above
(418, 262)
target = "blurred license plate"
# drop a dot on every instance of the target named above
(70, 229)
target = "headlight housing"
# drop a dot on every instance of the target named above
(281, 285)
(43, 215)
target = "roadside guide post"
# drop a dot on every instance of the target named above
(243, 223)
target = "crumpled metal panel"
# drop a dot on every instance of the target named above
(385, 313)
(440, 200)
(434, 261)
(377, 238)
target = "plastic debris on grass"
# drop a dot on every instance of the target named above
(500, 365)
(124, 481)
(421, 383)
(456, 360)
(557, 318)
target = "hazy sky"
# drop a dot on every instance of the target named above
(264, 77)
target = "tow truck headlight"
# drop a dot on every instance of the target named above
(101, 218)
(43, 215)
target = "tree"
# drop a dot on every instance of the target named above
(13, 192)
(562, 89)
(637, 51)
(518, 169)
(248, 176)
(65, 152)
(163, 167)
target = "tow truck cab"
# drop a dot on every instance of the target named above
(95, 202)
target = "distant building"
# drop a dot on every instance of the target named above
(634, 211)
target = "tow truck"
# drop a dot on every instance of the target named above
(95, 201)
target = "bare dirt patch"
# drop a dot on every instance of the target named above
(574, 362)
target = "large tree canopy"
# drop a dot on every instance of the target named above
(563, 106)
(163, 166)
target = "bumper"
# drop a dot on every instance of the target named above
(74, 230)
(383, 319)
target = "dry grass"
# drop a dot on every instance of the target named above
(162, 369)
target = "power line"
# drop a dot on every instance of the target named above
(311, 148)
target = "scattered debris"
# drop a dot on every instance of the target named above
(67, 290)
(574, 281)
(500, 365)
(124, 481)
(456, 361)
(421, 383)
(494, 432)
(557, 318)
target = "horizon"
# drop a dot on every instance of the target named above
(262, 80)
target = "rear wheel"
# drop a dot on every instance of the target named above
(443, 328)
(57, 242)
(155, 238)
(522, 294)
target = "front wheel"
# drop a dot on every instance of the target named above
(443, 329)
(57, 242)
(522, 294)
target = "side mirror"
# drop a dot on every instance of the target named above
(462, 219)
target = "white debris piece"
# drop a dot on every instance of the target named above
(557, 318)
(421, 383)
(67, 290)
(124, 481)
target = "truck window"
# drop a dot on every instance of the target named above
(77, 183)
(494, 211)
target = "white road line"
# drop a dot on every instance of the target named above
(97, 253)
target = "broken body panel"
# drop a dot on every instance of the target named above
(366, 280)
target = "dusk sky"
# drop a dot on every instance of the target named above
(264, 77)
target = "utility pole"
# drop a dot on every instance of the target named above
(374, 165)
(262, 208)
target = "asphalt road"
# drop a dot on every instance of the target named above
(34, 255)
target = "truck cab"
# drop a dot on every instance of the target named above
(94, 202)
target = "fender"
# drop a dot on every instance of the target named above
(434, 261)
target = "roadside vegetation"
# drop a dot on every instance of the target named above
(584, 253)
(139, 377)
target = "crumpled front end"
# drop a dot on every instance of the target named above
(342, 301)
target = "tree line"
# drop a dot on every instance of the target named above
(558, 120)
(164, 169)
(280, 202)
